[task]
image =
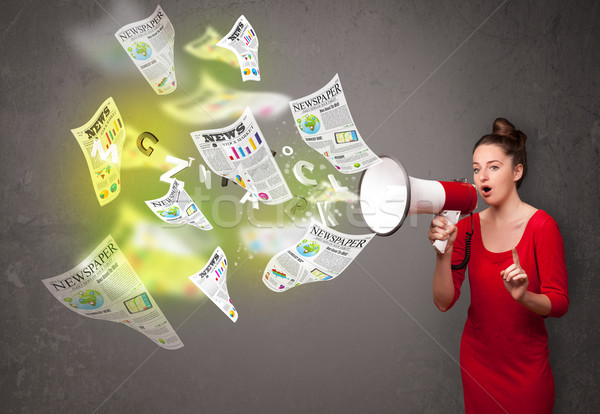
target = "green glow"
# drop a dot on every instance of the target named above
(162, 255)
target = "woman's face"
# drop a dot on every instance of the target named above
(493, 174)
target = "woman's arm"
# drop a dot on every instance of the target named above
(516, 282)
(444, 291)
(536, 302)
(443, 284)
(550, 259)
(553, 299)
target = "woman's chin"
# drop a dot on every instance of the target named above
(490, 201)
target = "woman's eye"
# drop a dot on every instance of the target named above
(475, 170)
(494, 167)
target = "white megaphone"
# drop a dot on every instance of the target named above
(388, 195)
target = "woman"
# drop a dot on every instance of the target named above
(517, 277)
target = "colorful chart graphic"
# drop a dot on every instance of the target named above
(250, 71)
(164, 80)
(240, 181)
(345, 137)
(103, 172)
(170, 213)
(86, 299)
(247, 56)
(320, 275)
(113, 188)
(221, 269)
(263, 196)
(103, 194)
(191, 209)
(308, 248)
(140, 50)
(309, 124)
(246, 148)
(279, 274)
(249, 36)
(232, 313)
(139, 303)
(111, 134)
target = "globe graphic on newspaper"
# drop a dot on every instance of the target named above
(309, 124)
(170, 213)
(86, 299)
(308, 248)
(140, 50)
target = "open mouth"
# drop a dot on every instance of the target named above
(485, 190)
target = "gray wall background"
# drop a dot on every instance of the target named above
(424, 80)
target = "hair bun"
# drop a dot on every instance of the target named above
(504, 128)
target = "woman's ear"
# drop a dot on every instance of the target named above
(518, 172)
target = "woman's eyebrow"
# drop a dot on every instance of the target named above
(489, 162)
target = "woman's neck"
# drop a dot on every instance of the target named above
(511, 209)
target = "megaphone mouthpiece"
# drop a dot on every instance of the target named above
(459, 196)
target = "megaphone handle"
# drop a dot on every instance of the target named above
(452, 216)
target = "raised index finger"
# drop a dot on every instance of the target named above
(515, 256)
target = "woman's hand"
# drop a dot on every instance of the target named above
(442, 229)
(515, 278)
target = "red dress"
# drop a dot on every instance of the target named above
(504, 346)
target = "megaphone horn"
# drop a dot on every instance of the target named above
(388, 195)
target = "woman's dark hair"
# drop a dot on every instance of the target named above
(512, 142)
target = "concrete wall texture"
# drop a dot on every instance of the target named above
(424, 80)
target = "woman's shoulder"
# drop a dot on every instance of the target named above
(540, 217)
(541, 221)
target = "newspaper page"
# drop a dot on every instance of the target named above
(321, 255)
(177, 207)
(149, 43)
(105, 286)
(212, 281)
(102, 139)
(240, 153)
(242, 41)
(326, 125)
